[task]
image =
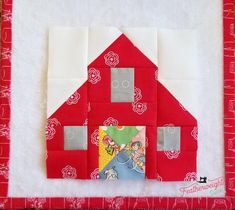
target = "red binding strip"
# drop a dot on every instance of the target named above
(228, 202)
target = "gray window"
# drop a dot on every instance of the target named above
(122, 84)
(75, 137)
(168, 138)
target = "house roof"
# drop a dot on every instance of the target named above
(129, 55)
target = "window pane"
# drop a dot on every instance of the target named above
(75, 137)
(168, 138)
(122, 84)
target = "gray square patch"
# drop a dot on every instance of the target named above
(122, 84)
(75, 137)
(168, 138)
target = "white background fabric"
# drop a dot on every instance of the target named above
(31, 21)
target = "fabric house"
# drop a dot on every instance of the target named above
(122, 123)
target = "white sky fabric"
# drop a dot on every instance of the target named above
(67, 65)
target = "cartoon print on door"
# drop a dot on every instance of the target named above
(127, 161)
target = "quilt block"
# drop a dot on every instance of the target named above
(109, 117)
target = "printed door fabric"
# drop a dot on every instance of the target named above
(122, 152)
(131, 125)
